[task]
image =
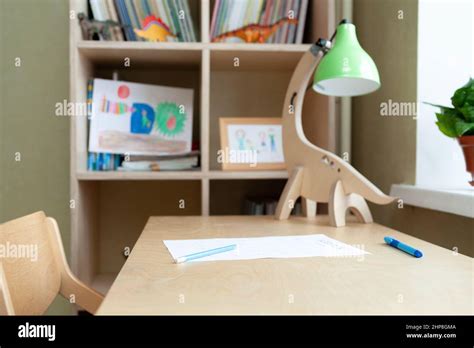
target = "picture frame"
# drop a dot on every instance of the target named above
(251, 143)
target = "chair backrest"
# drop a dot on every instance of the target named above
(29, 264)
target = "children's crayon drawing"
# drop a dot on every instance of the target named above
(139, 119)
(265, 140)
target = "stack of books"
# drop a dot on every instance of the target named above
(132, 13)
(229, 15)
(160, 163)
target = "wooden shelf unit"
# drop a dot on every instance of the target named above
(111, 208)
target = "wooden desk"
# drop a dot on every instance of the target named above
(385, 282)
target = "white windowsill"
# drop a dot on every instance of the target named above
(453, 201)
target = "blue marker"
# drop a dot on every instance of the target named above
(205, 253)
(403, 247)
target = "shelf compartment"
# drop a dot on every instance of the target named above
(112, 214)
(227, 197)
(319, 13)
(239, 93)
(256, 57)
(155, 74)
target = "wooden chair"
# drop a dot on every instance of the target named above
(29, 284)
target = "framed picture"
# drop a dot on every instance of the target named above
(251, 143)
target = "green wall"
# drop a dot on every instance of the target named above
(37, 32)
(384, 148)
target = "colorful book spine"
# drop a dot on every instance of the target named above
(215, 14)
(189, 20)
(91, 161)
(293, 28)
(182, 19)
(125, 20)
(302, 20)
(173, 10)
(132, 12)
(90, 90)
(114, 16)
(103, 161)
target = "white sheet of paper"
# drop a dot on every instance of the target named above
(264, 247)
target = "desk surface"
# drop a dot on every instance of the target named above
(387, 281)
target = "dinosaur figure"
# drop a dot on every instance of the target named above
(254, 33)
(154, 29)
(90, 27)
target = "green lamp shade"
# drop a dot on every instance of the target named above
(346, 70)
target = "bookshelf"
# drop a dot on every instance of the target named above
(110, 209)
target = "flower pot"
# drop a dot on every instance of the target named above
(467, 145)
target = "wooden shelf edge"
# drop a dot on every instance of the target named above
(138, 45)
(250, 175)
(197, 46)
(182, 175)
(116, 175)
(258, 47)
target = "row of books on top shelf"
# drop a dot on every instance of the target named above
(251, 21)
(145, 20)
(266, 206)
(259, 21)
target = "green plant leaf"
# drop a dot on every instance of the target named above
(447, 125)
(470, 98)
(468, 112)
(464, 128)
(470, 83)
(446, 110)
(459, 97)
(458, 121)
(461, 94)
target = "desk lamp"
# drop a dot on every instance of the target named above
(317, 175)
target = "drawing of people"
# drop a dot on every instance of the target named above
(271, 135)
(240, 135)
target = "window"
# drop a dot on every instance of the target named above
(445, 63)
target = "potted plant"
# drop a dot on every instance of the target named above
(458, 122)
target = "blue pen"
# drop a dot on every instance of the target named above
(205, 253)
(403, 247)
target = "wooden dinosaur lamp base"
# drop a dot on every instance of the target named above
(339, 202)
(317, 175)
